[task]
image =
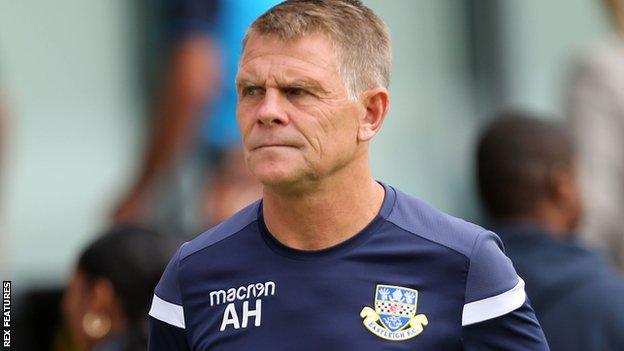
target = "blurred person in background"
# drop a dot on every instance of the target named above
(231, 188)
(196, 110)
(528, 182)
(596, 109)
(108, 297)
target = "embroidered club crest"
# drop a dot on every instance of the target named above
(394, 316)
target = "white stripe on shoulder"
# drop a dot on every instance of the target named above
(495, 306)
(167, 312)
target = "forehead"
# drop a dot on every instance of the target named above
(266, 57)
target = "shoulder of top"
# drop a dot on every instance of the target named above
(222, 231)
(417, 217)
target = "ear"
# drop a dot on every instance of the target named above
(566, 196)
(563, 185)
(376, 103)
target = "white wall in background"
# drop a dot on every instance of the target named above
(426, 143)
(67, 67)
(541, 40)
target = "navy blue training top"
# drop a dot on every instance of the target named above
(413, 279)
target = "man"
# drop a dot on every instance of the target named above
(528, 183)
(330, 259)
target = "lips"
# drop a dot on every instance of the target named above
(272, 145)
(271, 142)
(255, 141)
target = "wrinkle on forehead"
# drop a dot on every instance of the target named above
(269, 61)
(304, 49)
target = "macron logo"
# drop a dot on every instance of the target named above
(242, 293)
(245, 292)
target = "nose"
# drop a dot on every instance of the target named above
(271, 110)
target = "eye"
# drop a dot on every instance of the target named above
(251, 91)
(295, 91)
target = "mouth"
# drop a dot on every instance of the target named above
(267, 146)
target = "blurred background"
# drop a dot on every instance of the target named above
(77, 77)
(80, 81)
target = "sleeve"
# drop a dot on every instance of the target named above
(497, 314)
(167, 330)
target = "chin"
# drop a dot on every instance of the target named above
(273, 169)
(286, 177)
(275, 176)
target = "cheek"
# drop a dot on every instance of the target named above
(243, 119)
(339, 131)
(327, 124)
(74, 306)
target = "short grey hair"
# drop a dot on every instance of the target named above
(360, 37)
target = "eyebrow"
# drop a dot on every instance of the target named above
(243, 83)
(306, 84)
(309, 85)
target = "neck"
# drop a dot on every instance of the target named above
(551, 220)
(117, 329)
(327, 213)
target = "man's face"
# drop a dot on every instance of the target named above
(294, 113)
